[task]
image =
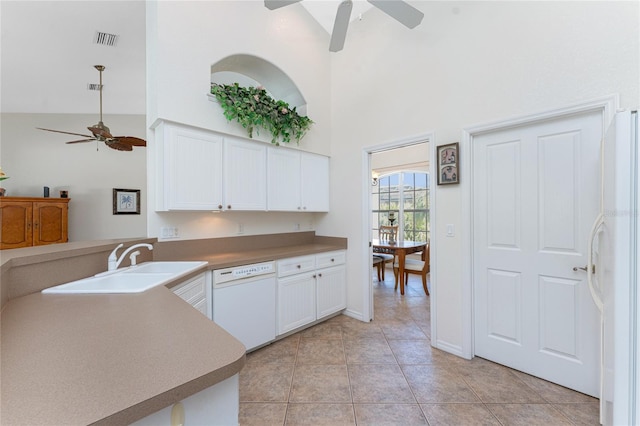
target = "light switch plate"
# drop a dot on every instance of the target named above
(450, 232)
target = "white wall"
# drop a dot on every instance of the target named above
(467, 63)
(35, 158)
(184, 39)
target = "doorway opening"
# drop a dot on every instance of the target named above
(397, 178)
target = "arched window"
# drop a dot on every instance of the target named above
(407, 195)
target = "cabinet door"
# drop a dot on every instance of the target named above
(16, 218)
(194, 292)
(331, 290)
(49, 223)
(189, 169)
(315, 182)
(245, 175)
(296, 301)
(283, 179)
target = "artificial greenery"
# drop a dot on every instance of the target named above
(253, 108)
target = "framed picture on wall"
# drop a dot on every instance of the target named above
(126, 201)
(448, 164)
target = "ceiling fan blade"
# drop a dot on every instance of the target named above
(82, 140)
(340, 26)
(66, 133)
(401, 11)
(119, 146)
(130, 140)
(277, 4)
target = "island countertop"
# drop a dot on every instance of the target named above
(107, 359)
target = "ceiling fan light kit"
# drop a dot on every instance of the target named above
(399, 10)
(101, 133)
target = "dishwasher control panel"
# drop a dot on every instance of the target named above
(244, 271)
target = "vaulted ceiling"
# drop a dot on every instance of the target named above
(49, 49)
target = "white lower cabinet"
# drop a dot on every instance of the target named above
(216, 405)
(310, 288)
(195, 291)
(296, 301)
(331, 294)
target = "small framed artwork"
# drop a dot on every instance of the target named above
(448, 164)
(126, 201)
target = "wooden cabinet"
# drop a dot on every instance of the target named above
(30, 221)
(297, 181)
(310, 288)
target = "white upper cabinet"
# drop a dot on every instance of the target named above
(314, 182)
(197, 169)
(189, 168)
(283, 179)
(244, 177)
(297, 181)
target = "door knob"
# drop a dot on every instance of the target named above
(584, 268)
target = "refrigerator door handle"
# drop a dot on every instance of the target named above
(596, 291)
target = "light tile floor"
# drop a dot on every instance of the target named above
(346, 372)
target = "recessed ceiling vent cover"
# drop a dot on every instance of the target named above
(105, 39)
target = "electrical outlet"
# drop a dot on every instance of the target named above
(169, 232)
(241, 228)
(296, 227)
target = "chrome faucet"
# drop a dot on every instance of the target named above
(114, 261)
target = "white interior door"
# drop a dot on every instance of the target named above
(536, 194)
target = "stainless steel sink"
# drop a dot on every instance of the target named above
(134, 279)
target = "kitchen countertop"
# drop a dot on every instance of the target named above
(114, 359)
(107, 359)
(226, 260)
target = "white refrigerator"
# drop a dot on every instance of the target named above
(614, 273)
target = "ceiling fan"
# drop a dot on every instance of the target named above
(101, 133)
(399, 10)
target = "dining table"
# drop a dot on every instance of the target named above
(400, 249)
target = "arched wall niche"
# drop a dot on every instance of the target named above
(249, 70)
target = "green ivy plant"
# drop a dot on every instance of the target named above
(253, 108)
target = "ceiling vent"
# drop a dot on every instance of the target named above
(105, 39)
(93, 86)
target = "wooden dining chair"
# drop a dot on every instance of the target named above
(388, 233)
(378, 263)
(413, 266)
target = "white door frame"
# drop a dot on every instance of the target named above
(607, 107)
(367, 250)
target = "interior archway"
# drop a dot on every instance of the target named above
(250, 70)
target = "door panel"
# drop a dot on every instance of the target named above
(536, 194)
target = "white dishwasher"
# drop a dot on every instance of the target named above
(244, 302)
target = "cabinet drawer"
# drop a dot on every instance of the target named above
(332, 258)
(296, 265)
